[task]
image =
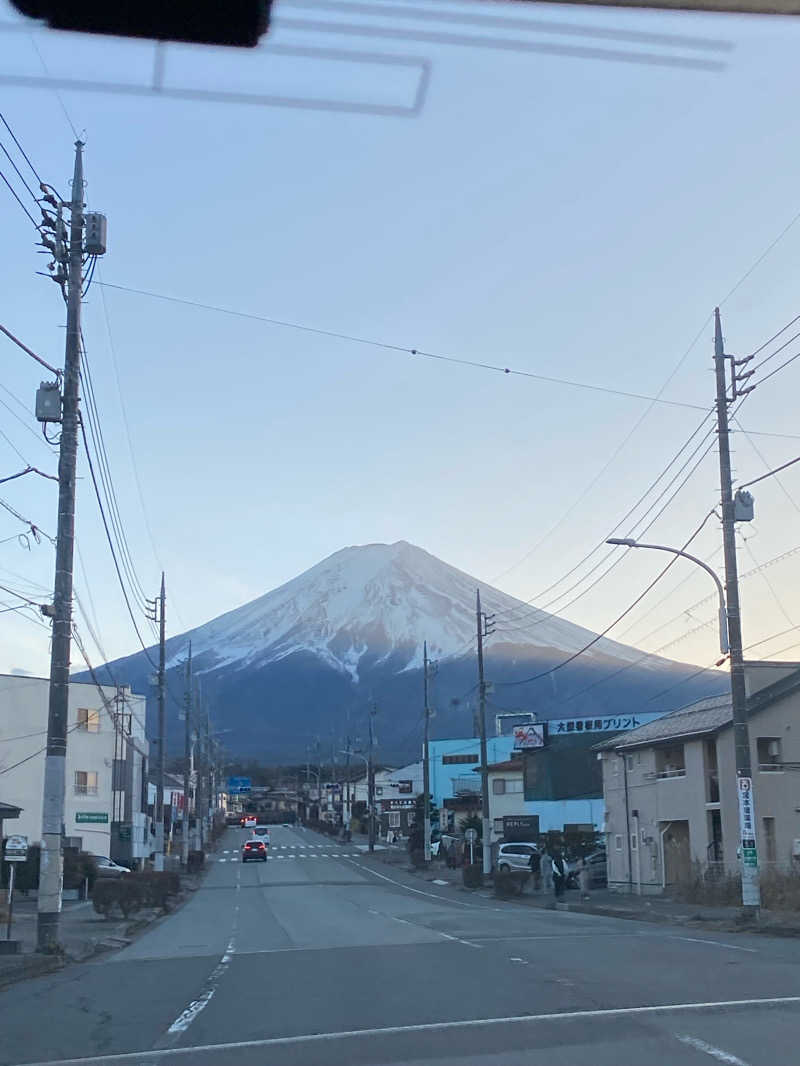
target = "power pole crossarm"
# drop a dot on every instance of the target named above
(751, 893)
(49, 901)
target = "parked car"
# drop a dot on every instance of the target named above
(254, 849)
(597, 867)
(108, 868)
(516, 856)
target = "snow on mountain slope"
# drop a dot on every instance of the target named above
(376, 602)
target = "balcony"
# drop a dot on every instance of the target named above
(668, 775)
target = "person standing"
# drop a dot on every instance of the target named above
(559, 874)
(546, 872)
(584, 878)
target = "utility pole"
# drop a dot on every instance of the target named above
(371, 778)
(484, 630)
(426, 765)
(50, 876)
(159, 609)
(751, 891)
(187, 755)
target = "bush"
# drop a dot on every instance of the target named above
(508, 883)
(79, 866)
(195, 861)
(472, 875)
(156, 887)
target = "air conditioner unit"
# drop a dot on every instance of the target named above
(774, 748)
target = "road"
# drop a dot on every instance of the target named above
(321, 957)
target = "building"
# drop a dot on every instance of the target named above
(670, 787)
(106, 764)
(556, 788)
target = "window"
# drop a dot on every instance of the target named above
(769, 754)
(88, 720)
(452, 760)
(618, 842)
(499, 786)
(498, 825)
(514, 786)
(670, 762)
(85, 782)
(770, 851)
(634, 842)
(394, 819)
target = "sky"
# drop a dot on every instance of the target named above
(572, 216)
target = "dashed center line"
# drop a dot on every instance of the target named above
(709, 1049)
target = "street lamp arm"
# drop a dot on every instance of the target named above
(628, 542)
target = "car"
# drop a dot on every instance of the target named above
(249, 821)
(262, 832)
(597, 867)
(254, 849)
(516, 856)
(286, 825)
(108, 868)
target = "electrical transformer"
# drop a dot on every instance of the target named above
(96, 233)
(48, 402)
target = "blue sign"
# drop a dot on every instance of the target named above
(238, 785)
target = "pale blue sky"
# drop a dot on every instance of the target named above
(577, 218)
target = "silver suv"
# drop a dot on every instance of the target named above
(516, 856)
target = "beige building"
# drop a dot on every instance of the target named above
(670, 787)
(106, 764)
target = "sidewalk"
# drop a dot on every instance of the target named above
(657, 909)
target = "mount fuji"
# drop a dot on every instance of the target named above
(292, 664)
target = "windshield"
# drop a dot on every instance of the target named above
(398, 558)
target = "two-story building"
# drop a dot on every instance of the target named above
(671, 792)
(106, 764)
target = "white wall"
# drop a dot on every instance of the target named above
(23, 737)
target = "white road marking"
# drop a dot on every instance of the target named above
(418, 891)
(717, 944)
(187, 1016)
(715, 1052)
(430, 1027)
(437, 882)
(516, 958)
(222, 860)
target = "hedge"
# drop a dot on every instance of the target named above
(131, 892)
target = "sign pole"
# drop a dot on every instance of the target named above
(11, 871)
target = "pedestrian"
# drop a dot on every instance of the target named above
(546, 872)
(559, 874)
(536, 870)
(584, 878)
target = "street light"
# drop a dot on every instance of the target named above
(370, 793)
(629, 542)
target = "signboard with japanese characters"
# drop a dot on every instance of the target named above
(529, 736)
(16, 849)
(610, 723)
(747, 839)
(397, 804)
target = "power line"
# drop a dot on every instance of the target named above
(351, 338)
(608, 628)
(28, 351)
(22, 151)
(13, 192)
(19, 174)
(770, 473)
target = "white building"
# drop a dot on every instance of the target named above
(106, 765)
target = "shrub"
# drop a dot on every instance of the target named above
(472, 875)
(508, 883)
(156, 886)
(79, 866)
(196, 861)
(104, 896)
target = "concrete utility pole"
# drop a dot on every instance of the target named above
(751, 891)
(426, 765)
(50, 876)
(162, 752)
(371, 778)
(187, 757)
(483, 631)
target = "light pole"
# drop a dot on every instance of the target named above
(629, 542)
(370, 794)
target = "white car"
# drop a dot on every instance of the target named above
(108, 868)
(262, 832)
(516, 856)
(249, 821)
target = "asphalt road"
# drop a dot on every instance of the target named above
(320, 958)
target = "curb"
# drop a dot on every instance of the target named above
(31, 966)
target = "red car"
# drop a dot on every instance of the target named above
(254, 849)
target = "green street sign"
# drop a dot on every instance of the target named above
(749, 857)
(91, 816)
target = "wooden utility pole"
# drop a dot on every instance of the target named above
(51, 862)
(371, 778)
(187, 757)
(426, 765)
(483, 631)
(751, 892)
